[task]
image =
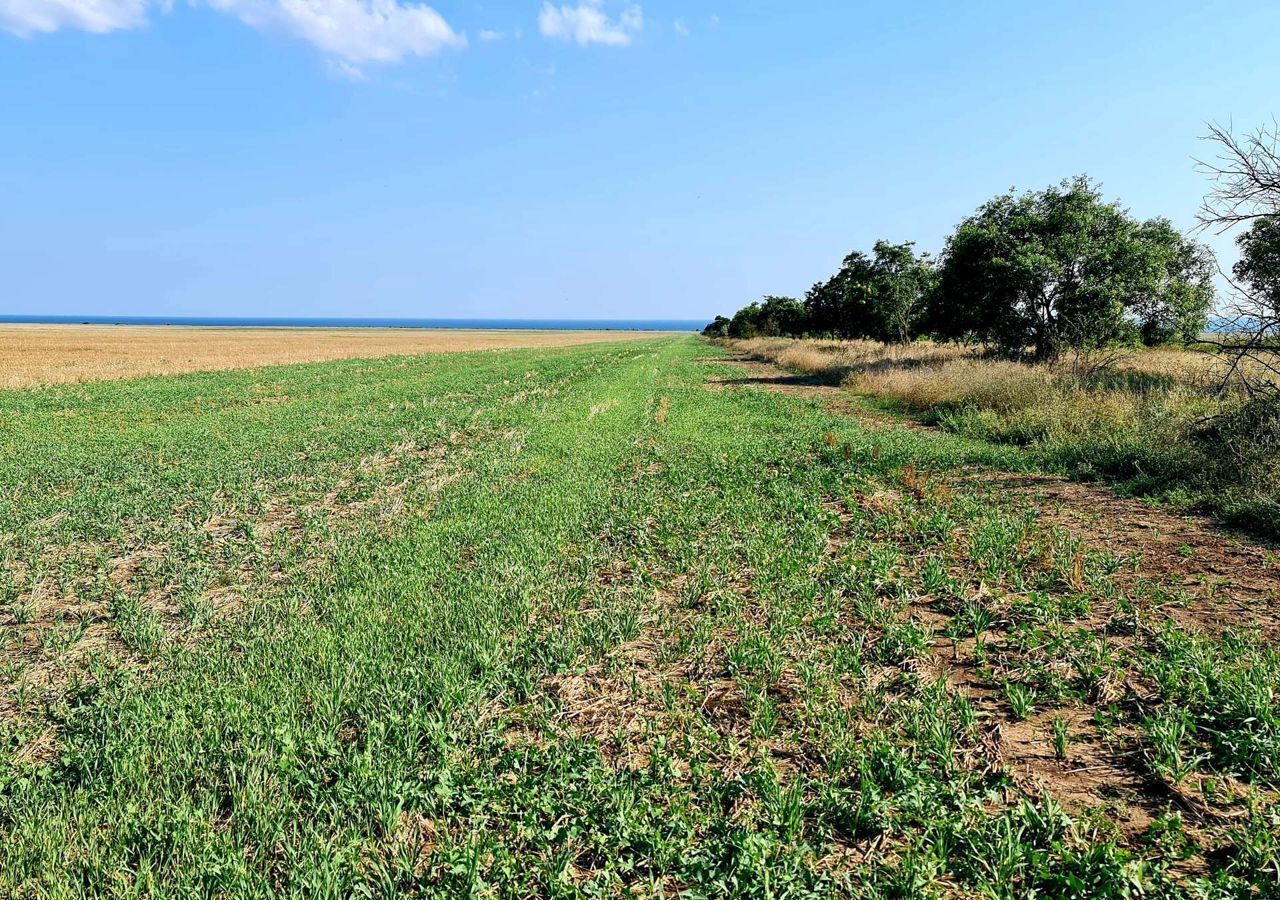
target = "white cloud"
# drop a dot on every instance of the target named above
(588, 23)
(349, 32)
(681, 28)
(353, 31)
(26, 17)
(490, 35)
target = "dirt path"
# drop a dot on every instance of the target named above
(835, 399)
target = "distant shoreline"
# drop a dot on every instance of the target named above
(341, 322)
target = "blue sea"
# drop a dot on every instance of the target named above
(287, 322)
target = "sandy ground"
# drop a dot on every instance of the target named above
(56, 354)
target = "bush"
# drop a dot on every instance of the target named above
(1240, 450)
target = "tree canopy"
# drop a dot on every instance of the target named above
(1259, 265)
(1047, 271)
(1028, 275)
(771, 317)
(881, 296)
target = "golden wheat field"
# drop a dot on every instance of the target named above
(55, 354)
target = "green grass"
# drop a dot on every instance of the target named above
(567, 623)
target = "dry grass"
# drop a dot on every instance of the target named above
(1027, 401)
(54, 354)
(840, 361)
(837, 360)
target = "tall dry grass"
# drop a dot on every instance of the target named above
(837, 360)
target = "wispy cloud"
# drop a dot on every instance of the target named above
(350, 33)
(27, 17)
(489, 34)
(354, 31)
(589, 23)
(681, 28)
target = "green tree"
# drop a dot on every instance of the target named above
(771, 317)
(1174, 281)
(782, 316)
(1060, 269)
(842, 305)
(1259, 264)
(901, 284)
(718, 328)
(745, 322)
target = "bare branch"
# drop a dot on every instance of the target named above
(1246, 188)
(1246, 176)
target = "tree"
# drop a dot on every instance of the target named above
(842, 305)
(901, 283)
(782, 316)
(1176, 285)
(1259, 266)
(745, 322)
(1246, 176)
(1054, 270)
(772, 317)
(718, 328)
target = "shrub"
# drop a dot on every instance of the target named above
(1240, 450)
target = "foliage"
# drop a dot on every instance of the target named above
(1175, 287)
(842, 305)
(718, 328)
(881, 296)
(768, 318)
(1034, 274)
(902, 284)
(1259, 265)
(1239, 452)
(1058, 269)
(1152, 422)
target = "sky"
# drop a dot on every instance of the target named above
(574, 158)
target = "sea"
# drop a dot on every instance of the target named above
(292, 322)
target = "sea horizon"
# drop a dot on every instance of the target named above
(494, 324)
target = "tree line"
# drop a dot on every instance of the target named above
(1028, 276)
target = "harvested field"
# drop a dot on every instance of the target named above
(57, 354)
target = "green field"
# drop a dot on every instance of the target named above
(569, 623)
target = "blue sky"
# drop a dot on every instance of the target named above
(587, 158)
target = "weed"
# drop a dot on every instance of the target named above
(1021, 699)
(1061, 737)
